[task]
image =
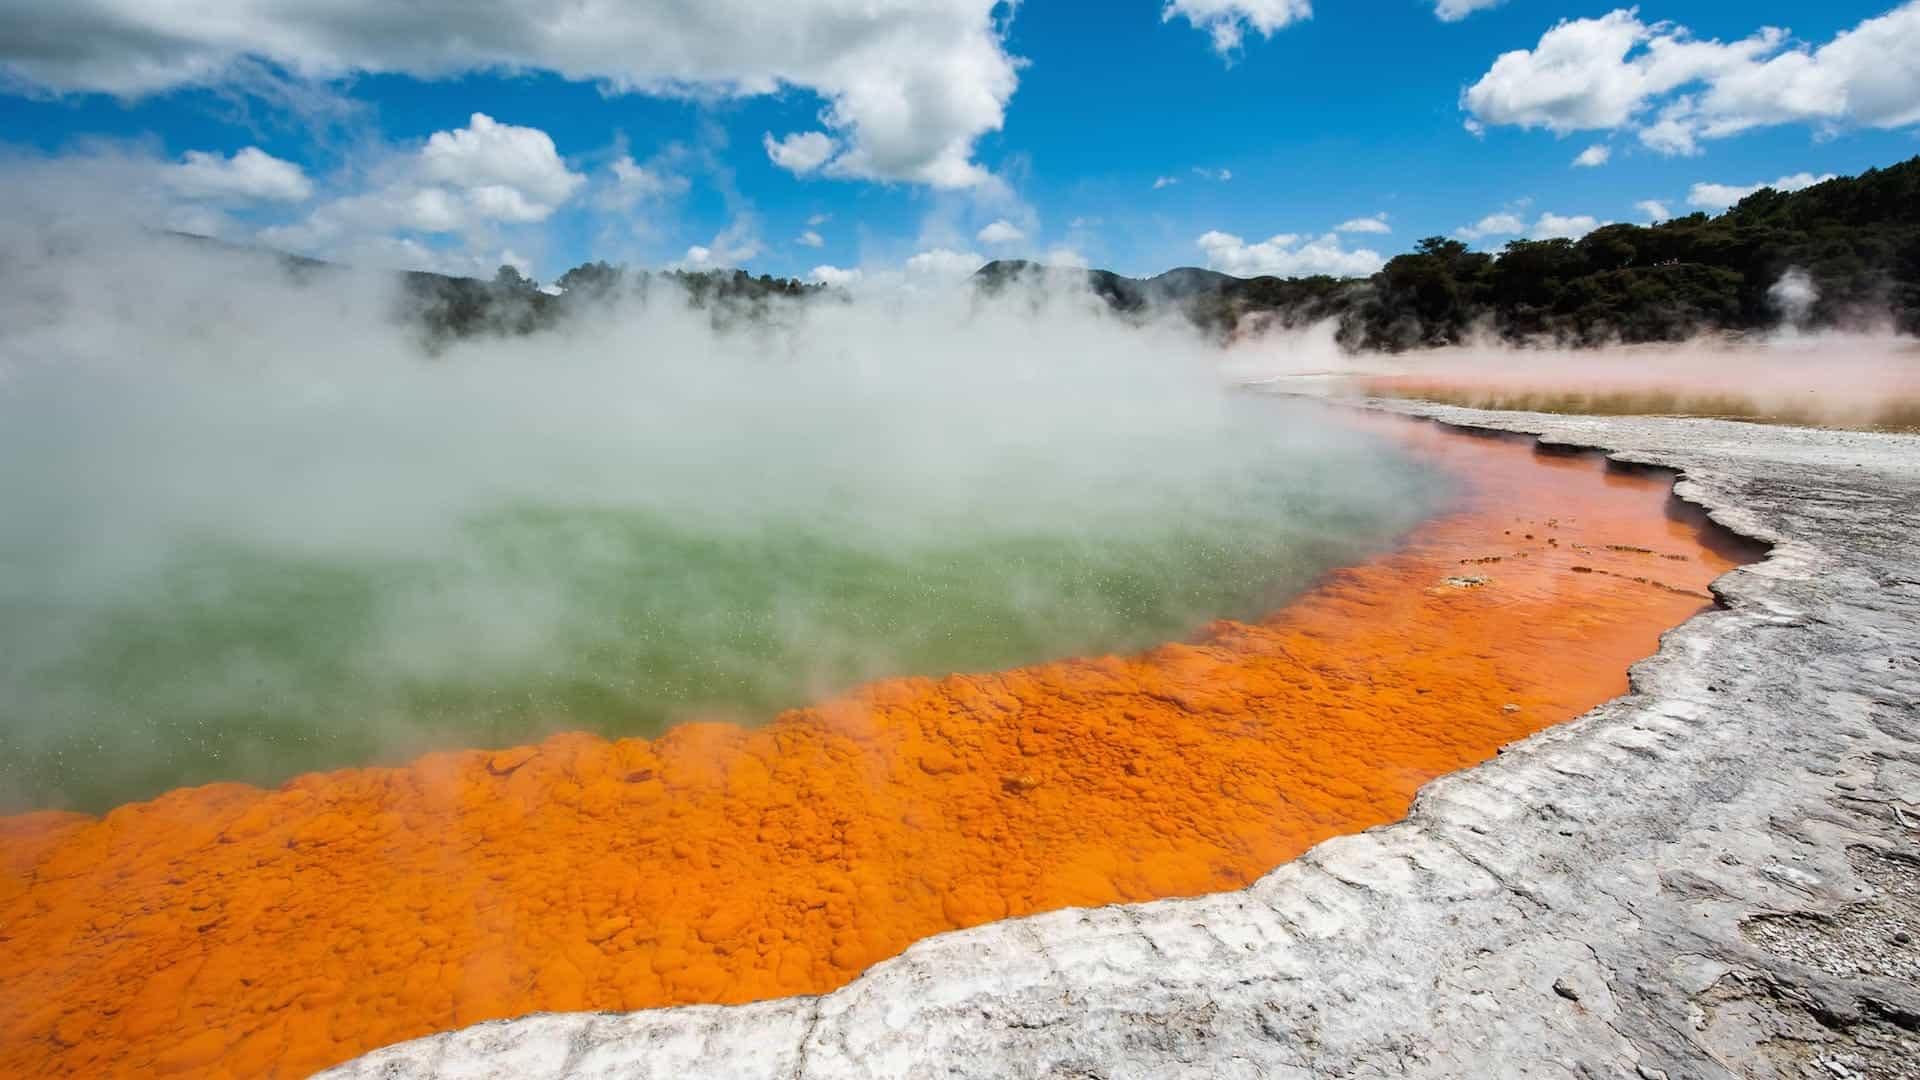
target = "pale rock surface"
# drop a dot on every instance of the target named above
(1704, 878)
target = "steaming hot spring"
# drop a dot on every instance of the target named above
(357, 691)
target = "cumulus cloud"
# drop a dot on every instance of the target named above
(634, 183)
(1548, 226)
(944, 264)
(833, 275)
(1221, 175)
(802, 152)
(1720, 196)
(1553, 226)
(1593, 156)
(1654, 209)
(102, 183)
(398, 220)
(1001, 232)
(1164, 181)
(1455, 10)
(250, 175)
(1617, 72)
(1287, 255)
(485, 172)
(818, 220)
(1375, 224)
(1502, 224)
(734, 245)
(1227, 21)
(461, 182)
(810, 239)
(517, 165)
(908, 86)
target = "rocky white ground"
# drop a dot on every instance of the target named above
(1716, 875)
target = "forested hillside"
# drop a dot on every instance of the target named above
(1851, 246)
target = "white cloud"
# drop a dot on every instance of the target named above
(1375, 224)
(1164, 181)
(1654, 209)
(107, 184)
(944, 264)
(818, 220)
(1222, 175)
(1227, 21)
(731, 249)
(833, 275)
(1593, 156)
(1502, 224)
(251, 174)
(1455, 10)
(1721, 196)
(1065, 256)
(801, 152)
(464, 183)
(1548, 226)
(1617, 72)
(1287, 255)
(1552, 226)
(634, 183)
(908, 86)
(810, 239)
(1001, 232)
(487, 155)
(498, 202)
(121, 186)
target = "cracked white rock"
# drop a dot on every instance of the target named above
(1617, 857)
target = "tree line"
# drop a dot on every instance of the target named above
(1856, 240)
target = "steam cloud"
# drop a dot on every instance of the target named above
(1794, 295)
(253, 527)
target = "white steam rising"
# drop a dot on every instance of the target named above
(202, 457)
(1793, 296)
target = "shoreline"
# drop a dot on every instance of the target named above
(1672, 884)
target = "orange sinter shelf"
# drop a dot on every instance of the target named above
(231, 931)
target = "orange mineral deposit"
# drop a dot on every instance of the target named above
(231, 931)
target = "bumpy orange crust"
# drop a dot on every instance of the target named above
(230, 931)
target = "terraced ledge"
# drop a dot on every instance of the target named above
(1712, 876)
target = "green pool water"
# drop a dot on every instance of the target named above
(223, 657)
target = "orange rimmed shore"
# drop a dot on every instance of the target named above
(231, 931)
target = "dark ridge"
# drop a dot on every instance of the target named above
(447, 307)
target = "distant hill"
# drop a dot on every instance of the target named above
(457, 307)
(1210, 298)
(448, 307)
(1854, 243)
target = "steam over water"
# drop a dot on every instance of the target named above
(251, 527)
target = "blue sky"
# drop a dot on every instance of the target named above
(927, 121)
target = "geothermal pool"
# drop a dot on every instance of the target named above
(1141, 752)
(221, 646)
